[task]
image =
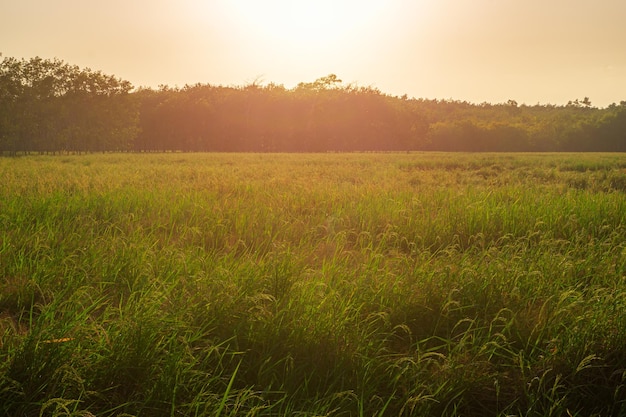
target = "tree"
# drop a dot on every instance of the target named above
(49, 106)
(323, 83)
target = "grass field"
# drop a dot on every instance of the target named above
(313, 285)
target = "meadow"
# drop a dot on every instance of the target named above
(423, 284)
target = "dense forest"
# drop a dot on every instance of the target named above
(49, 106)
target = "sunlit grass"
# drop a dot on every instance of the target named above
(338, 284)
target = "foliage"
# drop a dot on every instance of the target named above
(50, 106)
(324, 116)
(334, 284)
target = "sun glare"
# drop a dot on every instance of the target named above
(305, 23)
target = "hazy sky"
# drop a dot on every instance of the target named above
(532, 51)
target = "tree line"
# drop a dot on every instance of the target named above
(49, 106)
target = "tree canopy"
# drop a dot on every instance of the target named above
(51, 106)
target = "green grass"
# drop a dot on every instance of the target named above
(313, 285)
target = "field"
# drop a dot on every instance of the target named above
(420, 284)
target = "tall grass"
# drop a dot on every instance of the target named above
(343, 284)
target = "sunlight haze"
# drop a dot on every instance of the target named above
(480, 50)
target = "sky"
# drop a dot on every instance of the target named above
(531, 51)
